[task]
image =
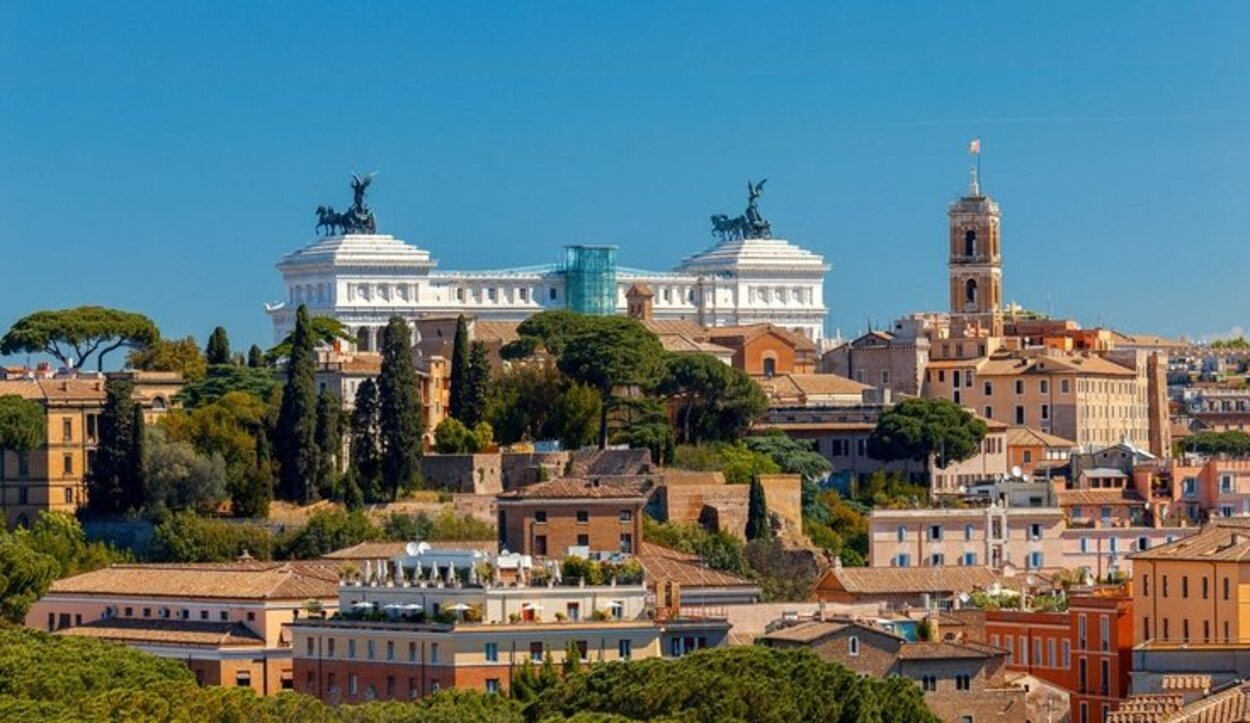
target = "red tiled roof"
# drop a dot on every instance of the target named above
(177, 632)
(252, 580)
(948, 649)
(574, 488)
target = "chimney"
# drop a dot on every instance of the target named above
(821, 612)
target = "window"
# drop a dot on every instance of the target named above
(1020, 414)
(1038, 651)
(928, 683)
(1051, 658)
(935, 532)
(1104, 633)
(625, 516)
(623, 649)
(970, 559)
(371, 649)
(1064, 386)
(853, 645)
(390, 650)
(902, 560)
(351, 649)
(901, 532)
(1164, 589)
(433, 652)
(412, 652)
(540, 516)
(1019, 387)
(988, 388)
(492, 652)
(353, 684)
(1080, 632)
(1035, 531)
(1010, 648)
(330, 648)
(1066, 648)
(536, 652)
(573, 611)
(583, 517)
(67, 430)
(1226, 483)
(1145, 584)
(390, 686)
(1225, 588)
(1184, 586)
(540, 545)
(1043, 385)
(963, 681)
(67, 465)
(937, 559)
(492, 685)
(243, 679)
(583, 540)
(627, 542)
(1045, 412)
(1028, 456)
(968, 528)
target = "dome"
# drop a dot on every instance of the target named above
(754, 254)
(358, 250)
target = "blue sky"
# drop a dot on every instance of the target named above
(162, 156)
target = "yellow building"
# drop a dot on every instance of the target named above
(1195, 591)
(53, 477)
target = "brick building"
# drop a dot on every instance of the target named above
(549, 518)
(223, 620)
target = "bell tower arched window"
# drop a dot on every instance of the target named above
(970, 291)
(970, 243)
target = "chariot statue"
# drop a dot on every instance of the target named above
(358, 219)
(751, 224)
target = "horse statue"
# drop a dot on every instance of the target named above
(750, 224)
(329, 219)
(728, 229)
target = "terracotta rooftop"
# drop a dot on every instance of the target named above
(495, 331)
(1028, 436)
(810, 385)
(753, 331)
(679, 327)
(1126, 496)
(250, 580)
(59, 390)
(886, 580)
(575, 488)
(380, 550)
(948, 650)
(1214, 542)
(662, 563)
(177, 632)
(814, 630)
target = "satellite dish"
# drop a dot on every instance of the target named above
(1016, 471)
(422, 548)
(413, 549)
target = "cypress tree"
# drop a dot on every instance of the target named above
(255, 357)
(757, 513)
(460, 371)
(399, 410)
(364, 443)
(136, 485)
(473, 403)
(329, 442)
(295, 439)
(107, 488)
(218, 349)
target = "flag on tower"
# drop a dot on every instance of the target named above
(975, 147)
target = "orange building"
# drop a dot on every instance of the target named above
(225, 621)
(548, 518)
(1085, 650)
(764, 349)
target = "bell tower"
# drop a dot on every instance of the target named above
(976, 265)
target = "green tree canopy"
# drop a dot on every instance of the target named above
(758, 525)
(477, 386)
(71, 336)
(23, 424)
(180, 478)
(714, 401)
(365, 460)
(223, 379)
(459, 372)
(255, 357)
(324, 331)
(116, 483)
(609, 353)
(295, 435)
(1234, 443)
(920, 428)
(186, 537)
(218, 349)
(452, 437)
(549, 331)
(165, 355)
(329, 442)
(399, 410)
(24, 577)
(793, 456)
(327, 530)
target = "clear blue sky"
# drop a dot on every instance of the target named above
(162, 156)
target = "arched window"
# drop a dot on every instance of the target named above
(770, 367)
(158, 404)
(970, 291)
(362, 339)
(970, 243)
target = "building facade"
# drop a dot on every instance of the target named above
(1085, 650)
(553, 518)
(223, 620)
(363, 280)
(994, 536)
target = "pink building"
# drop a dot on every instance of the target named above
(1025, 537)
(1194, 489)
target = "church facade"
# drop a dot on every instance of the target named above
(363, 279)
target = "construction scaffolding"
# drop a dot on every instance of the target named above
(590, 279)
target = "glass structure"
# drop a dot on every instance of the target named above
(590, 279)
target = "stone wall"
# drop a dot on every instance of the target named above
(716, 506)
(520, 469)
(467, 473)
(783, 496)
